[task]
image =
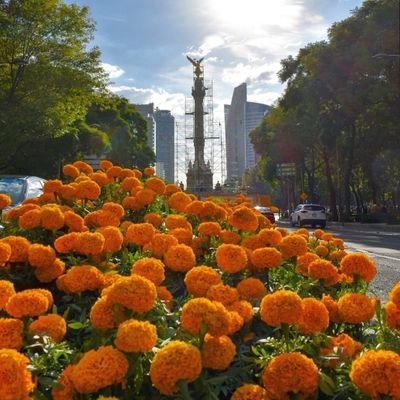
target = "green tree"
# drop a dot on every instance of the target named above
(48, 76)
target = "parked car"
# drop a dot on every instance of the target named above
(21, 187)
(267, 212)
(309, 214)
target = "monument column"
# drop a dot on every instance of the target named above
(199, 175)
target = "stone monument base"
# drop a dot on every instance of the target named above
(199, 179)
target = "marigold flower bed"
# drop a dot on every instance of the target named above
(117, 285)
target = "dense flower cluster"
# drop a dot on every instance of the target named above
(116, 284)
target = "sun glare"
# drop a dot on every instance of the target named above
(252, 14)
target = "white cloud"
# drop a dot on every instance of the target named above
(113, 71)
(175, 102)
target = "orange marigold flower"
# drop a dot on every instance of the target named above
(243, 308)
(81, 278)
(199, 279)
(150, 268)
(290, 373)
(377, 374)
(145, 196)
(74, 222)
(394, 294)
(19, 248)
(358, 264)
(322, 250)
(52, 325)
(153, 218)
(173, 221)
(52, 186)
(5, 252)
(270, 237)
(171, 188)
(315, 316)
(209, 228)
(30, 219)
(183, 235)
(281, 307)
(180, 258)
(231, 258)
(217, 352)
(132, 203)
(204, 311)
(200, 246)
(249, 392)
(135, 336)
(6, 291)
(225, 294)
(266, 257)
(244, 218)
(64, 389)
(40, 255)
(149, 171)
(332, 308)
(251, 289)
(236, 322)
(135, 293)
(102, 314)
(129, 183)
(194, 208)
(155, 184)
(165, 295)
(48, 274)
(83, 166)
(229, 237)
(51, 217)
(5, 200)
(160, 243)
(323, 270)
(356, 308)
(67, 243)
(29, 303)
(114, 208)
(98, 369)
(70, 170)
(302, 231)
(179, 201)
(293, 245)
(88, 190)
(67, 192)
(208, 211)
(327, 236)
(344, 347)
(89, 243)
(302, 262)
(140, 233)
(318, 233)
(105, 164)
(252, 242)
(11, 333)
(174, 362)
(16, 382)
(100, 178)
(113, 238)
(392, 314)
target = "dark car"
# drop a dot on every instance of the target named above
(266, 211)
(21, 187)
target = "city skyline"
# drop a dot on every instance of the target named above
(144, 45)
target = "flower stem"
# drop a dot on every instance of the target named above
(183, 387)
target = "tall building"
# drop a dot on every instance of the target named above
(165, 144)
(147, 111)
(241, 117)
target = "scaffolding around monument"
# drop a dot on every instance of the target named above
(214, 147)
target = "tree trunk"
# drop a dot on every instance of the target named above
(331, 185)
(348, 172)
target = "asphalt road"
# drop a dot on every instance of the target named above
(378, 241)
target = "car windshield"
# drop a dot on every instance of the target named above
(13, 187)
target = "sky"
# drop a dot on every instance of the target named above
(144, 44)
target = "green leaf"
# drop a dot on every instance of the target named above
(326, 384)
(76, 325)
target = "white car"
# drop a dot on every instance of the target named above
(309, 214)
